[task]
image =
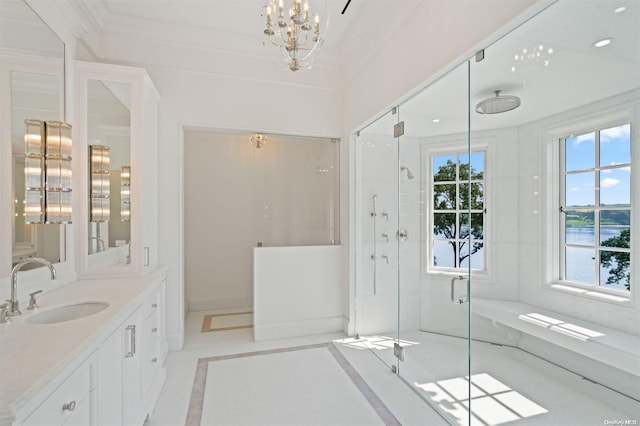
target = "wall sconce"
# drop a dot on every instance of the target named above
(47, 172)
(125, 194)
(99, 167)
(258, 140)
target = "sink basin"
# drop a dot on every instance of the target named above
(67, 313)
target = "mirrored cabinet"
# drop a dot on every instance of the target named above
(115, 136)
(31, 88)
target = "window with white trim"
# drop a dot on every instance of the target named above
(458, 213)
(595, 208)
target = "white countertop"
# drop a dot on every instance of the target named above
(35, 357)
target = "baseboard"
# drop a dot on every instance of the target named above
(297, 328)
(175, 341)
(213, 304)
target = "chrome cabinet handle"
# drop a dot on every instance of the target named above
(154, 330)
(146, 256)
(132, 341)
(69, 406)
(154, 305)
(154, 359)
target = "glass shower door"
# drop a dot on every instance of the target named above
(434, 247)
(376, 301)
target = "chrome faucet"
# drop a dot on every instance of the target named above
(99, 241)
(14, 304)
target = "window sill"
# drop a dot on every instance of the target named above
(616, 299)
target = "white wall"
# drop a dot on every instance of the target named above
(536, 147)
(297, 291)
(237, 196)
(214, 88)
(438, 313)
(377, 282)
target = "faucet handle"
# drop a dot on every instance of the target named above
(32, 300)
(4, 313)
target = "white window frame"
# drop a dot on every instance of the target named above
(430, 150)
(602, 119)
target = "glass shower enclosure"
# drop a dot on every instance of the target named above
(467, 196)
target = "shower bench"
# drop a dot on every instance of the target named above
(615, 348)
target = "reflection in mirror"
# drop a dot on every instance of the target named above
(32, 95)
(108, 135)
(32, 58)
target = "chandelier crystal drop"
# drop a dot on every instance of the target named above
(293, 32)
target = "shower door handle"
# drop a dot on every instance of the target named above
(458, 301)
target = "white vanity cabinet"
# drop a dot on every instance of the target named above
(116, 109)
(130, 374)
(72, 403)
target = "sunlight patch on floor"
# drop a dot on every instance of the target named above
(492, 402)
(374, 342)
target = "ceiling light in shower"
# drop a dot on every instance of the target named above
(498, 104)
(258, 140)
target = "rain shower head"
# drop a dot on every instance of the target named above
(498, 104)
(407, 171)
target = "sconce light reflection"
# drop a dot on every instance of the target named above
(47, 172)
(99, 167)
(125, 194)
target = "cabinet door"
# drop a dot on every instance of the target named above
(110, 380)
(131, 396)
(149, 178)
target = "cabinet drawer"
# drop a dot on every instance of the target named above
(150, 305)
(150, 364)
(70, 402)
(149, 331)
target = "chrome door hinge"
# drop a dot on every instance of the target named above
(398, 129)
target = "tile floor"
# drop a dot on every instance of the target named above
(301, 382)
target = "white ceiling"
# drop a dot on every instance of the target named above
(239, 24)
(577, 72)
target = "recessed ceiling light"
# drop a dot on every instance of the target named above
(602, 43)
(620, 9)
(436, 120)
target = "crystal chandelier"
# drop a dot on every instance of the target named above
(295, 35)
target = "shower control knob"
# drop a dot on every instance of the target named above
(402, 235)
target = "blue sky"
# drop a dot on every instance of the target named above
(615, 148)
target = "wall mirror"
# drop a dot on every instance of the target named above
(32, 87)
(109, 172)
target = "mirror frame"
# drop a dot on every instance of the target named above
(37, 65)
(83, 72)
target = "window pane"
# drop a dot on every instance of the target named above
(613, 230)
(615, 145)
(476, 225)
(444, 225)
(580, 265)
(443, 254)
(444, 196)
(477, 255)
(615, 271)
(477, 196)
(615, 187)
(444, 168)
(580, 153)
(579, 190)
(477, 166)
(579, 228)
